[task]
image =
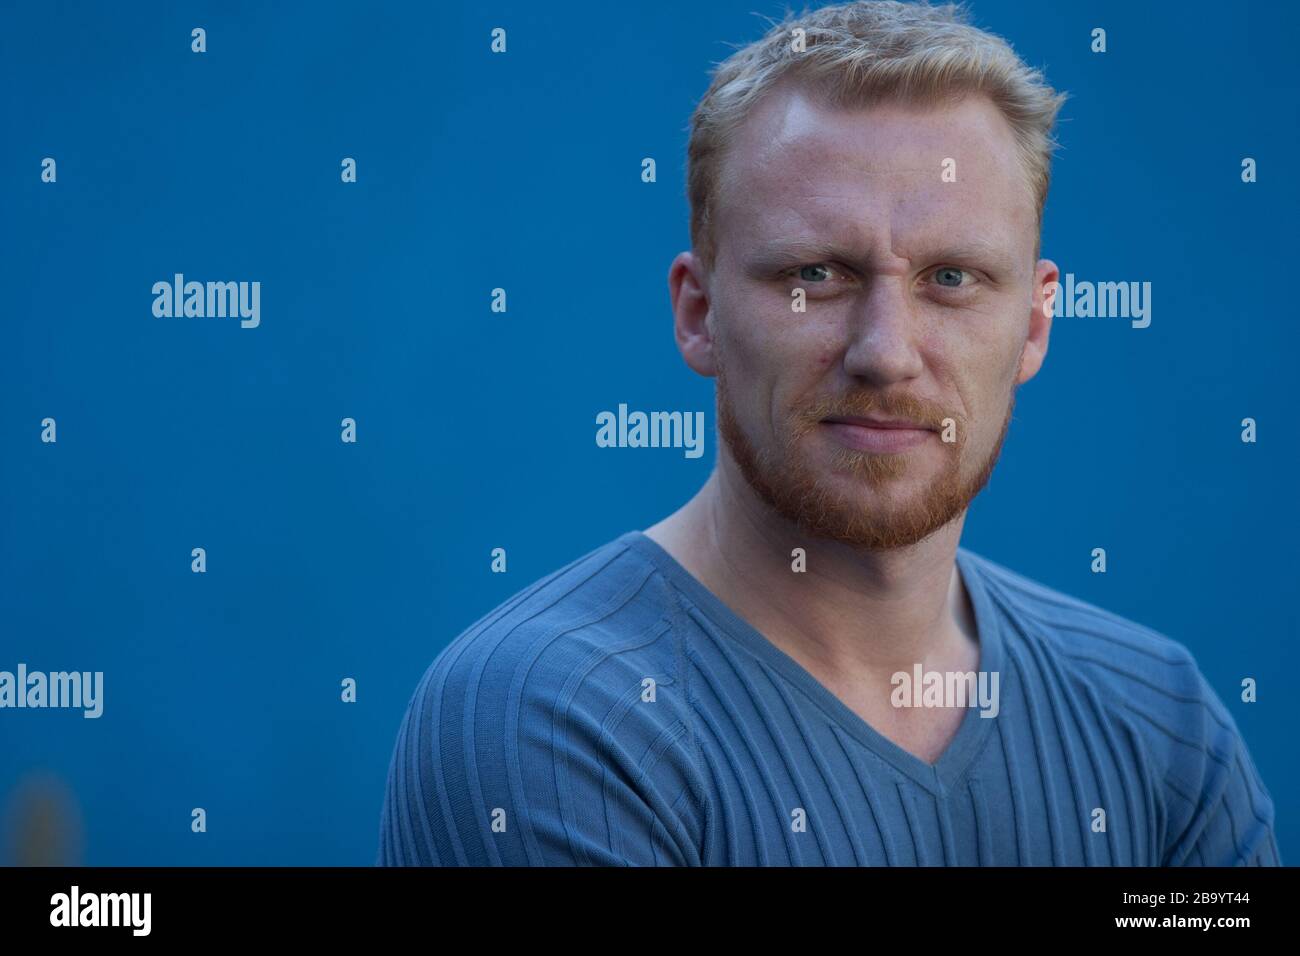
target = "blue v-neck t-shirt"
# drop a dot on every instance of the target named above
(616, 712)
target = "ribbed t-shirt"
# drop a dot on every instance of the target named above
(617, 712)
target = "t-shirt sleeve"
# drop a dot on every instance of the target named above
(558, 760)
(1220, 812)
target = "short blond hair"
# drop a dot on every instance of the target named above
(864, 52)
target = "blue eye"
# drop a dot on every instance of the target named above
(950, 277)
(808, 278)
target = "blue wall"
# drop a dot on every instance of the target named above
(329, 560)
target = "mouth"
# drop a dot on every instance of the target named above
(880, 435)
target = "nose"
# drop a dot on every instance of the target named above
(883, 334)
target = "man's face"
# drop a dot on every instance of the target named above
(920, 297)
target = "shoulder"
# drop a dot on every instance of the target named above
(1108, 648)
(576, 636)
(1148, 687)
(1129, 665)
(563, 710)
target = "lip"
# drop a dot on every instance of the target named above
(870, 422)
(876, 435)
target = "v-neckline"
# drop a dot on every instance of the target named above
(938, 777)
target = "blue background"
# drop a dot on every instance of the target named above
(476, 429)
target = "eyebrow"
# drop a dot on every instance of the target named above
(788, 251)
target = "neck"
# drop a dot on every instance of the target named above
(851, 612)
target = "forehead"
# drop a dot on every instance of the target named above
(875, 174)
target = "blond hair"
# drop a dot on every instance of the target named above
(864, 52)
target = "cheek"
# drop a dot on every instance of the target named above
(990, 395)
(780, 355)
(778, 361)
(981, 368)
(806, 366)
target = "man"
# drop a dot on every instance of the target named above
(753, 679)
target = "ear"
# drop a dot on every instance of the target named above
(1042, 303)
(689, 292)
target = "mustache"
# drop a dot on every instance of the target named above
(865, 404)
